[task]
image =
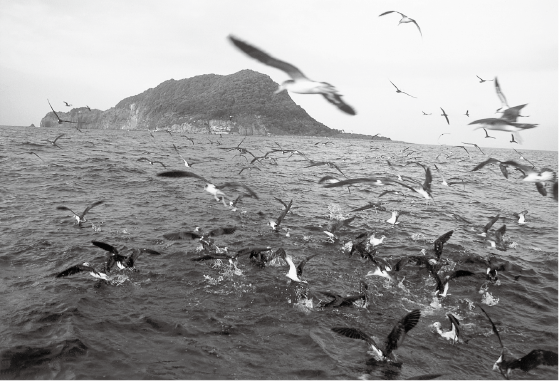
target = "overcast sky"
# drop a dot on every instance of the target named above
(99, 52)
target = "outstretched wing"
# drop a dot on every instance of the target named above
(533, 359)
(266, 59)
(176, 174)
(91, 206)
(439, 243)
(492, 325)
(336, 100)
(398, 333)
(234, 184)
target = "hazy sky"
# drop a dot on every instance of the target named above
(99, 52)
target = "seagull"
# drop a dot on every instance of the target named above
(198, 234)
(492, 137)
(60, 121)
(526, 363)
(191, 139)
(347, 301)
(521, 217)
(424, 113)
(483, 80)
(53, 142)
(84, 267)
(335, 225)
(328, 163)
(382, 267)
(299, 83)
(33, 153)
(212, 189)
(400, 91)
(445, 116)
(394, 339)
(295, 273)
(376, 241)
(454, 333)
(512, 139)
(394, 219)
(80, 218)
(446, 133)
(468, 152)
(375, 205)
(513, 113)
(186, 164)
(475, 145)
(404, 19)
(442, 285)
(151, 162)
(467, 114)
(122, 261)
(489, 225)
(423, 189)
(499, 124)
(88, 108)
(67, 104)
(499, 242)
(275, 224)
(249, 167)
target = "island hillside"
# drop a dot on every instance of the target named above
(242, 103)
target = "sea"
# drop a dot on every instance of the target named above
(175, 318)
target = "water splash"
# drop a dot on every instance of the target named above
(488, 299)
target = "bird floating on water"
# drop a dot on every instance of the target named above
(299, 83)
(454, 333)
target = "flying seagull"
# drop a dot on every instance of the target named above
(53, 142)
(80, 218)
(442, 285)
(198, 234)
(122, 261)
(445, 116)
(403, 92)
(299, 82)
(424, 113)
(346, 301)
(394, 339)
(530, 361)
(475, 145)
(492, 137)
(151, 162)
(404, 19)
(67, 104)
(275, 224)
(512, 138)
(60, 121)
(467, 113)
(214, 190)
(483, 80)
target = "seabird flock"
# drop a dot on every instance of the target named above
(365, 244)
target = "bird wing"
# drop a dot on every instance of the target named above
(301, 265)
(393, 83)
(74, 270)
(500, 94)
(454, 324)
(512, 113)
(398, 333)
(492, 325)
(541, 189)
(283, 203)
(428, 180)
(106, 247)
(499, 234)
(355, 333)
(181, 235)
(403, 92)
(266, 59)
(378, 181)
(445, 116)
(439, 243)
(57, 117)
(533, 359)
(418, 28)
(91, 206)
(237, 185)
(490, 223)
(385, 13)
(337, 101)
(66, 208)
(284, 213)
(58, 137)
(182, 174)
(484, 163)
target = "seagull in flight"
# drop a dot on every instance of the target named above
(275, 224)
(475, 145)
(151, 162)
(512, 139)
(400, 91)
(424, 113)
(212, 189)
(394, 339)
(298, 83)
(60, 121)
(523, 158)
(467, 113)
(80, 218)
(67, 104)
(445, 116)
(404, 19)
(526, 363)
(454, 333)
(483, 80)
(490, 137)
(53, 142)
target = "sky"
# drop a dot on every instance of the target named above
(99, 52)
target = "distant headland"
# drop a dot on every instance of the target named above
(242, 103)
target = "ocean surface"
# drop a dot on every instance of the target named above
(179, 319)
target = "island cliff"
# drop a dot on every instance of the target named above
(242, 103)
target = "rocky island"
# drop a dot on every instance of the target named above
(242, 103)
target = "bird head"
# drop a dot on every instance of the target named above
(437, 325)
